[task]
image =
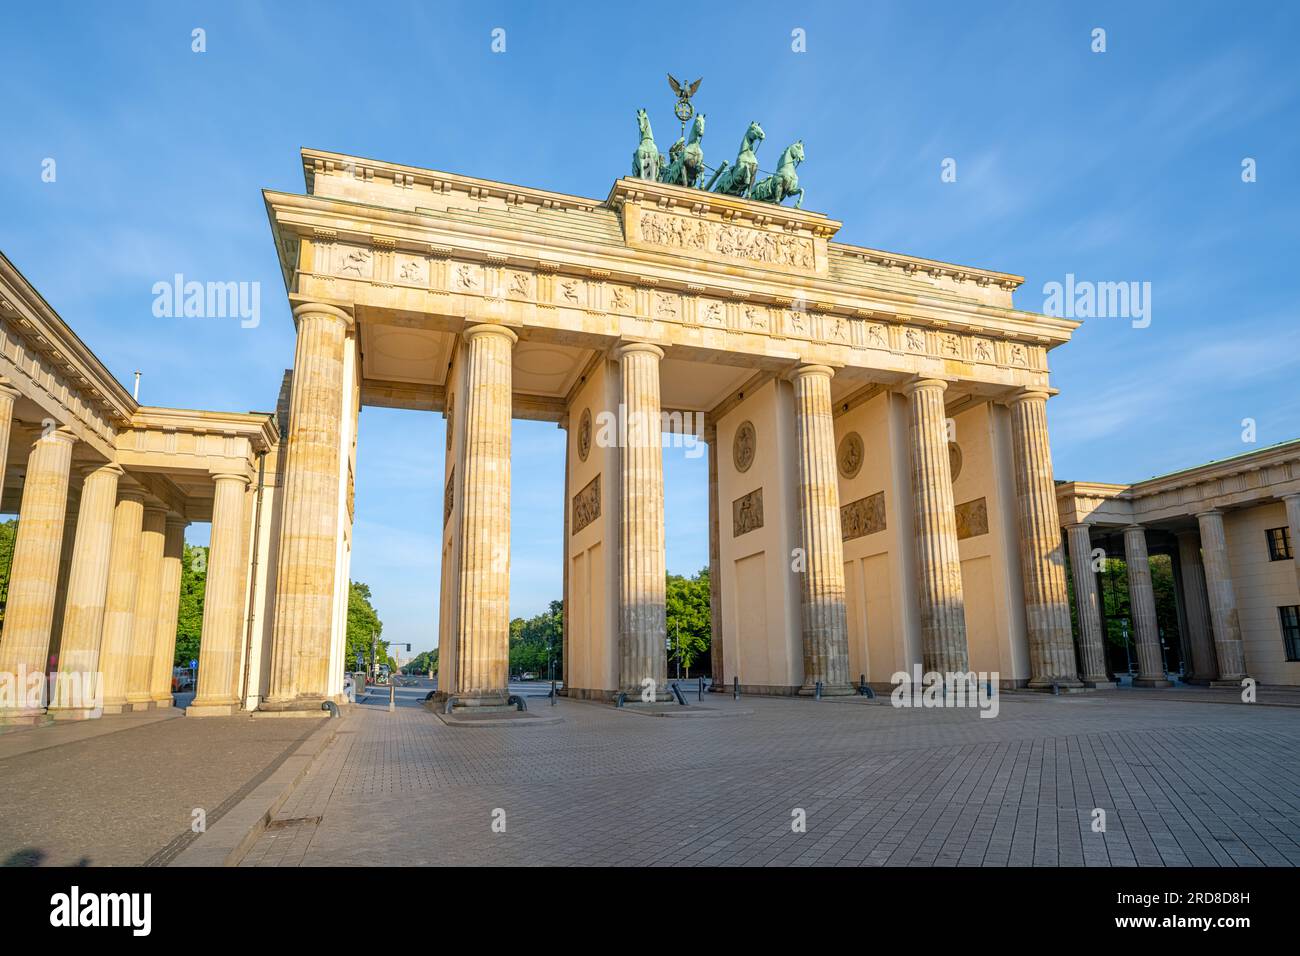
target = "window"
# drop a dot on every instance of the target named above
(1290, 617)
(1279, 544)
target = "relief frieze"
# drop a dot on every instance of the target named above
(972, 519)
(586, 505)
(724, 239)
(863, 517)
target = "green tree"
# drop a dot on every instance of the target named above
(189, 620)
(363, 625)
(690, 623)
(422, 663)
(1112, 584)
(537, 641)
(8, 530)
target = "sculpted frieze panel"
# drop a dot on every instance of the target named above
(725, 239)
(586, 505)
(972, 519)
(747, 513)
(410, 270)
(353, 262)
(863, 517)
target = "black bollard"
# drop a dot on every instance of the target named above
(735, 688)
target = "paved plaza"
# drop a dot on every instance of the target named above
(121, 791)
(1185, 777)
(1182, 783)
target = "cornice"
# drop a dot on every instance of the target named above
(298, 217)
(45, 332)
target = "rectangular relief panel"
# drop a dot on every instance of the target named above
(863, 517)
(972, 518)
(586, 505)
(747, 513)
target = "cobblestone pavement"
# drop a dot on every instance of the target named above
(1181, 783)
(119, 791)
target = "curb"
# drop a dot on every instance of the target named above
(231, 837)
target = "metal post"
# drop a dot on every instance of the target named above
(735, 688)
(392, 696)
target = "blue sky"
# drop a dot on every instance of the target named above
(1115, 166)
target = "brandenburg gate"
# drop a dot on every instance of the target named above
(880, 476)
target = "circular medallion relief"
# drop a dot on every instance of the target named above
(954, 459)
(584, 434)
(742, 449)
(850, 455)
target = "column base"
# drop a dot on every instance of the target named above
(138, 705)
(1099, 684)
(19, 717)
(1152, 682)
(212, 709)
(162, 703)
(75, 713)
(828, 690)
(298, 707)
(634, 696)
(115, 707)
(1233, 682)
(1046, 683)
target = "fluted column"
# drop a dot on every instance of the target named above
(8, 395)
(1042, 563)
(160, 681)
(716, 650)
(483, 627)
(66, 548)
(34, 574)
(825, 626)
(223, 602)
(1222, 599)
(1196, 609)
(1087, 603)
(139, 695)
(304, 601)
(119, 606)
(564, 557)
(643, 625)
(77, 687)
(939, 587)
(1293, 523)
(1142, 603)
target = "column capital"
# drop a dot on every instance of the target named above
(1289, 495)
(153, 507)
(628, 348)
(8, 388)
(90, 468)
(1207, 512)
(320, 308)
(1072, 525)
(490, 328)
(803, 371)
(57, 435)
(130, 492)
(231, 476)
(177, 521)
(1134, 527)
(1029, 394)
(916, 384)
